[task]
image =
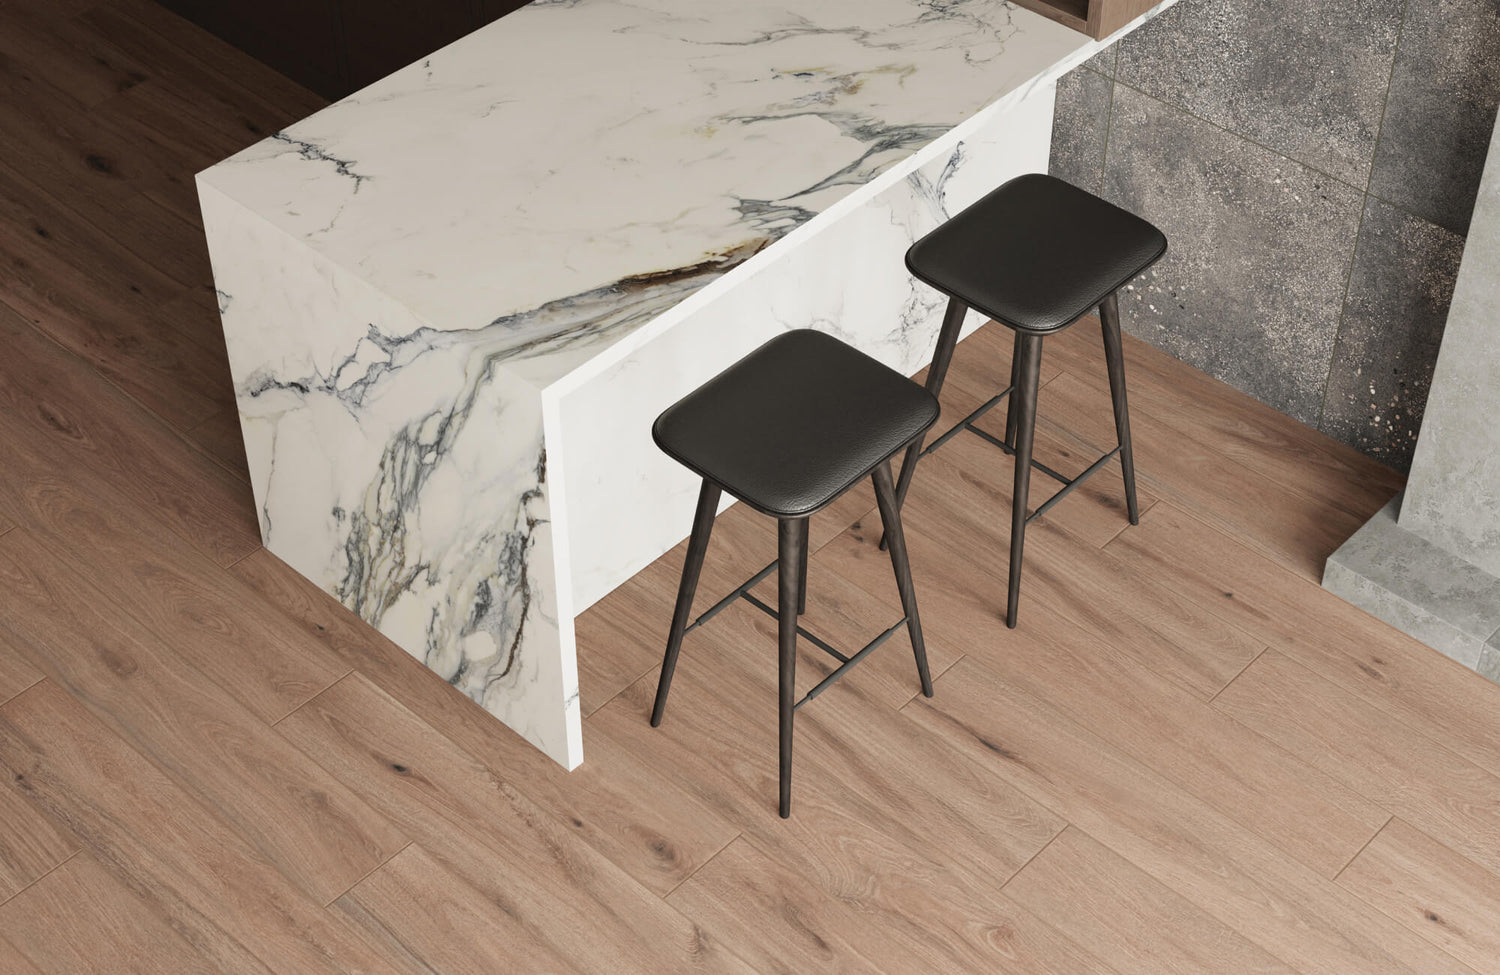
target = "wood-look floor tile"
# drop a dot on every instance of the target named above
(301, 818)
(16, 671)
(30, 843)
(1301, 809)
(1100, 899)
(1231, 873)
(1408, 680)
(1434, 789)
(430, 920)
(1446, 898)
(81, 919)
(475, 822)
(657, 833)
(12, 962)
(219, 893)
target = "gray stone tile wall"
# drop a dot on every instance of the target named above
(1314, 166)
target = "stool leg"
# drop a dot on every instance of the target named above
(1011, 413)
(703, 526)
(791, 544)
(1023, 404)
(953, 322)
(802, 581)
(1114, 358)
(890, 515)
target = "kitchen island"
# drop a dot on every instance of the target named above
(455, 300)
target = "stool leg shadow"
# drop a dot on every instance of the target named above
(791, 554)
(703, 526)
(1114, 359)
(1023, 410)
(890, 516)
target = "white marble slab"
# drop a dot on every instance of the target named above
(452, 301)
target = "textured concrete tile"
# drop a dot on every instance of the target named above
(1453, 495)
(1399, 290)
(1489, 659)
(1421, 589)
(1305, 79)
(1080, 126)
(1253, 282)
(1104, 62)
(1443, 93)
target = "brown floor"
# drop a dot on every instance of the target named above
(1188, 757)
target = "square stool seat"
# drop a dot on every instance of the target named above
(1036, 254)
(795, 423)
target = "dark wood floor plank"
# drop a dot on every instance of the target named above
(53, 46)
(1410, 681)
(653, 830)
(80, 919)
(16, 672)
(55, 412)
(1302, 810)
(478, 826)
(316, 831)
(1232, 874)
(30, 844)
(219, 436)
(1100, 899)
(220, 894)
(1446, 898)
(1434, 789)
(432, 921)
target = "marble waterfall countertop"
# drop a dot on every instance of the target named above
(569, 172)
(454, 300)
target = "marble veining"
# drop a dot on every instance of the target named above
(437, 292)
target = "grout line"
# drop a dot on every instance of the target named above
(739, 834)
(1109, 128)
(7, 530)
(1386, 102)
(1362, 849)
(369, 872)
(1247, 666)
(341, 678)
(55, 867)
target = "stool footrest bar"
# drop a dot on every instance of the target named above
(723, 604)
(1071, 484)
(964, 423)
(848, 665)
(811, 638)
(1056, 476)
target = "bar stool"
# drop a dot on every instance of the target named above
(1035, 255)
(787, 430)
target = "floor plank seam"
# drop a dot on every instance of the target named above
(1053, 839)
(22, 691)
(1389, 819)
(368, 874)
(696, 870)
(321, 691)
(51, 870)
(1248, 664)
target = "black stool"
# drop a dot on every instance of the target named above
(1035, 255)
(787, 430)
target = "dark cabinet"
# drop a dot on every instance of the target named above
(336, 47)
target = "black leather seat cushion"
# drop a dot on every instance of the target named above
(1037, 253)
(795, 423)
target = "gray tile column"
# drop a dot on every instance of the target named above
(1429, 563)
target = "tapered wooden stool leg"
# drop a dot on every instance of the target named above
(1023, 408)
(791, 538)
(703, 526)
(953, 323)
(1114, 359)
(890, 515)
(1011, 413)
(802, 581)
